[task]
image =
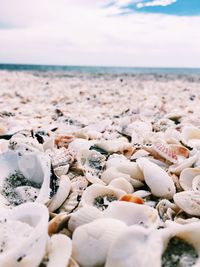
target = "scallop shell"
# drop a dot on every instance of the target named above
(71, 203)
(132, 213)
(92, 241)
(160, 183)
(123, 184)
(82, 216)
(24, 177)
(23, 235)
(162, 151)
(100, 196)
(188, 201)
(187, 176)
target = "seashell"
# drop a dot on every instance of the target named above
(132, 213)
(139, 153)
(92, 241)
(188, 201)
(61, 160)
(123, 184)
(162, 151)
(187, 176)
(73, 263)
(196, 183)
(100, 196)
(186, 163)
(114, 146)
(79, 183)
(128, 249)
(4, 146)
(186, 239)
(142, 193)
(160, 183)
(82, 216)
(132, 198)
(71, 203)
(172, 136)
(23, 143)
(80, 144)
(93, 179)
(58, 252)
(126, 167)
(23, 235)
(180, 150)
(63, 140)
(166, 209)
(58, 223)
(61, 194)
(190, 132)
(112, 173)
(24, 177)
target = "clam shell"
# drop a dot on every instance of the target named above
(187, 176)
(23, 235)
(123, 184)
(95, 191)
(112, 173)
(160, 183)
(113, 146)
(132, 213)
(190, 132)
(92, 241)
(188, 201)
(82, 216)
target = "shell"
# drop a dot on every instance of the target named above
(188, 201)
(71, 203)
(114, 146)
(187, 176)
(166, 209)
(92, 241)
(24, 177)
(23, 235)
(190, 132)
(61, 194)
(162, 151)
(132, 198)
(112, 173)
(63, 140)
(82, 216)
(79, 183)
(125, 166)
(160, 183)
(196, 183)
(132, 213)
(80, 144)
(186, 163)
(128, 249)
(97, 195)
(58, 223)
(123, 184)
(59, 251)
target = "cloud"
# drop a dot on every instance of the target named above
(76, 33)
(156, 3)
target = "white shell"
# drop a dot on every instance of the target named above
(61, 194)
(188, 201)
(187, 176)
(24, 235)
(113, 146)
(82, 216)
(96, 190)
(136, 246)
(132, 213)
(112, 173)
(196, 183)
(160, 183)
(92, 241)
(59, 251)
(35, 167)
(123, 184)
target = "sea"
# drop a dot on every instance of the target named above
(100, 70)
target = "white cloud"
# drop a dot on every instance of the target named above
(77, 33)
(156, 3)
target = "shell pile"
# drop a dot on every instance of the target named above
(118, 193)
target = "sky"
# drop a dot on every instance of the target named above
(143, 33)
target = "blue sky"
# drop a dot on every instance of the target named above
(101, 32)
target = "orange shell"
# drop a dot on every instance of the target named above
(63, 140)
(132, 198)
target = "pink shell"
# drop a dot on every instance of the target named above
(165, 152)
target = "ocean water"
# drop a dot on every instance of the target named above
(100, 70)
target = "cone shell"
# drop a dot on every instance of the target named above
(92, 241)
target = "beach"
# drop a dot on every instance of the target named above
(96, 164)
